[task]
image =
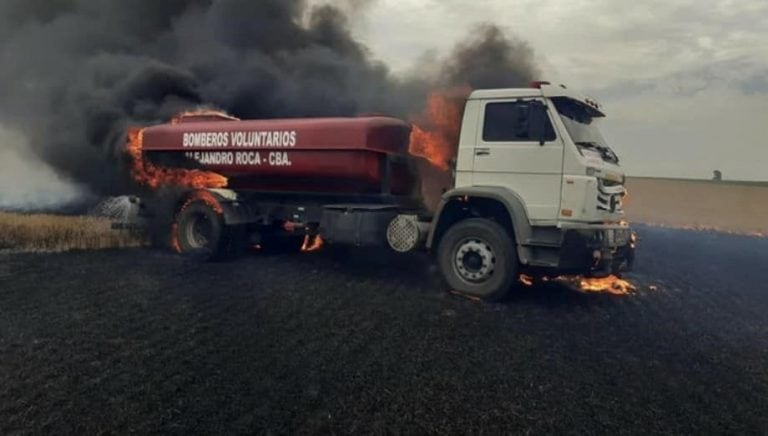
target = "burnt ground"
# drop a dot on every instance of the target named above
(144, 341)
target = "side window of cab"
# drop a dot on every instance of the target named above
(517, 121)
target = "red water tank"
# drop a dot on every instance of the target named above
(331, 155)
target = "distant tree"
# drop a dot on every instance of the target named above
(717, 175)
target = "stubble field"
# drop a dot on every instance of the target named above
(139, 340)
(144, 341)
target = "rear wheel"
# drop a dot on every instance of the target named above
(200, 231)
(477, 258)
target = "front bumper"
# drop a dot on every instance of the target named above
(597, 250)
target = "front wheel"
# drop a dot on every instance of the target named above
(477, 257)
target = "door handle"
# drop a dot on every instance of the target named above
(482, 152)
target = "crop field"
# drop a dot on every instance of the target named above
(29, 232)
(144, 341)
(739, 207)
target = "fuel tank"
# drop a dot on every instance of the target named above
(362, 155)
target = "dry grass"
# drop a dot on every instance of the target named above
(22, 232)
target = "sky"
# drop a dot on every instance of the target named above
(684, 83)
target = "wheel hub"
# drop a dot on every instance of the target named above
(475, 261)
(199, 231)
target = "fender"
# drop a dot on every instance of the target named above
(511, 201)
(234, 211)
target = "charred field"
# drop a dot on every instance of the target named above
(144, 341)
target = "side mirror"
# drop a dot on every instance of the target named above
(537, 122)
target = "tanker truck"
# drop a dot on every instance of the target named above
(535, 189)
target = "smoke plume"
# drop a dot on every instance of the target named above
(75, 73)
(29, 184)
(490, 60)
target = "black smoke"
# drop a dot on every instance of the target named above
(489, 59)
(75, 73)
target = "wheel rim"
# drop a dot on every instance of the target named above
(199, 232)
(475, 260)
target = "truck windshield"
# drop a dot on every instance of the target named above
(581, 123)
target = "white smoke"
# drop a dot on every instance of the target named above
(28, 184)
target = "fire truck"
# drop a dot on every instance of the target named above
(535, 188)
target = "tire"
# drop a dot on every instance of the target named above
(478, 258)
(200, 232)
(626, 261)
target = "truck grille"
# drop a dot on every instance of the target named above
(609, 196)
(610, 183)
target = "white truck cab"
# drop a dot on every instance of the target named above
(564, 172)
(533, 163)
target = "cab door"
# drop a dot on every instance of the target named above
(517, 148)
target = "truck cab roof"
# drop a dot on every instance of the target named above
(537, 89)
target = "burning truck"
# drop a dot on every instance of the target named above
(534, 188)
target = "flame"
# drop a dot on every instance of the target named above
(312, 243)
(526, 279)
(610, 285)
(435, 134)
(148, 174)
(202, 113)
